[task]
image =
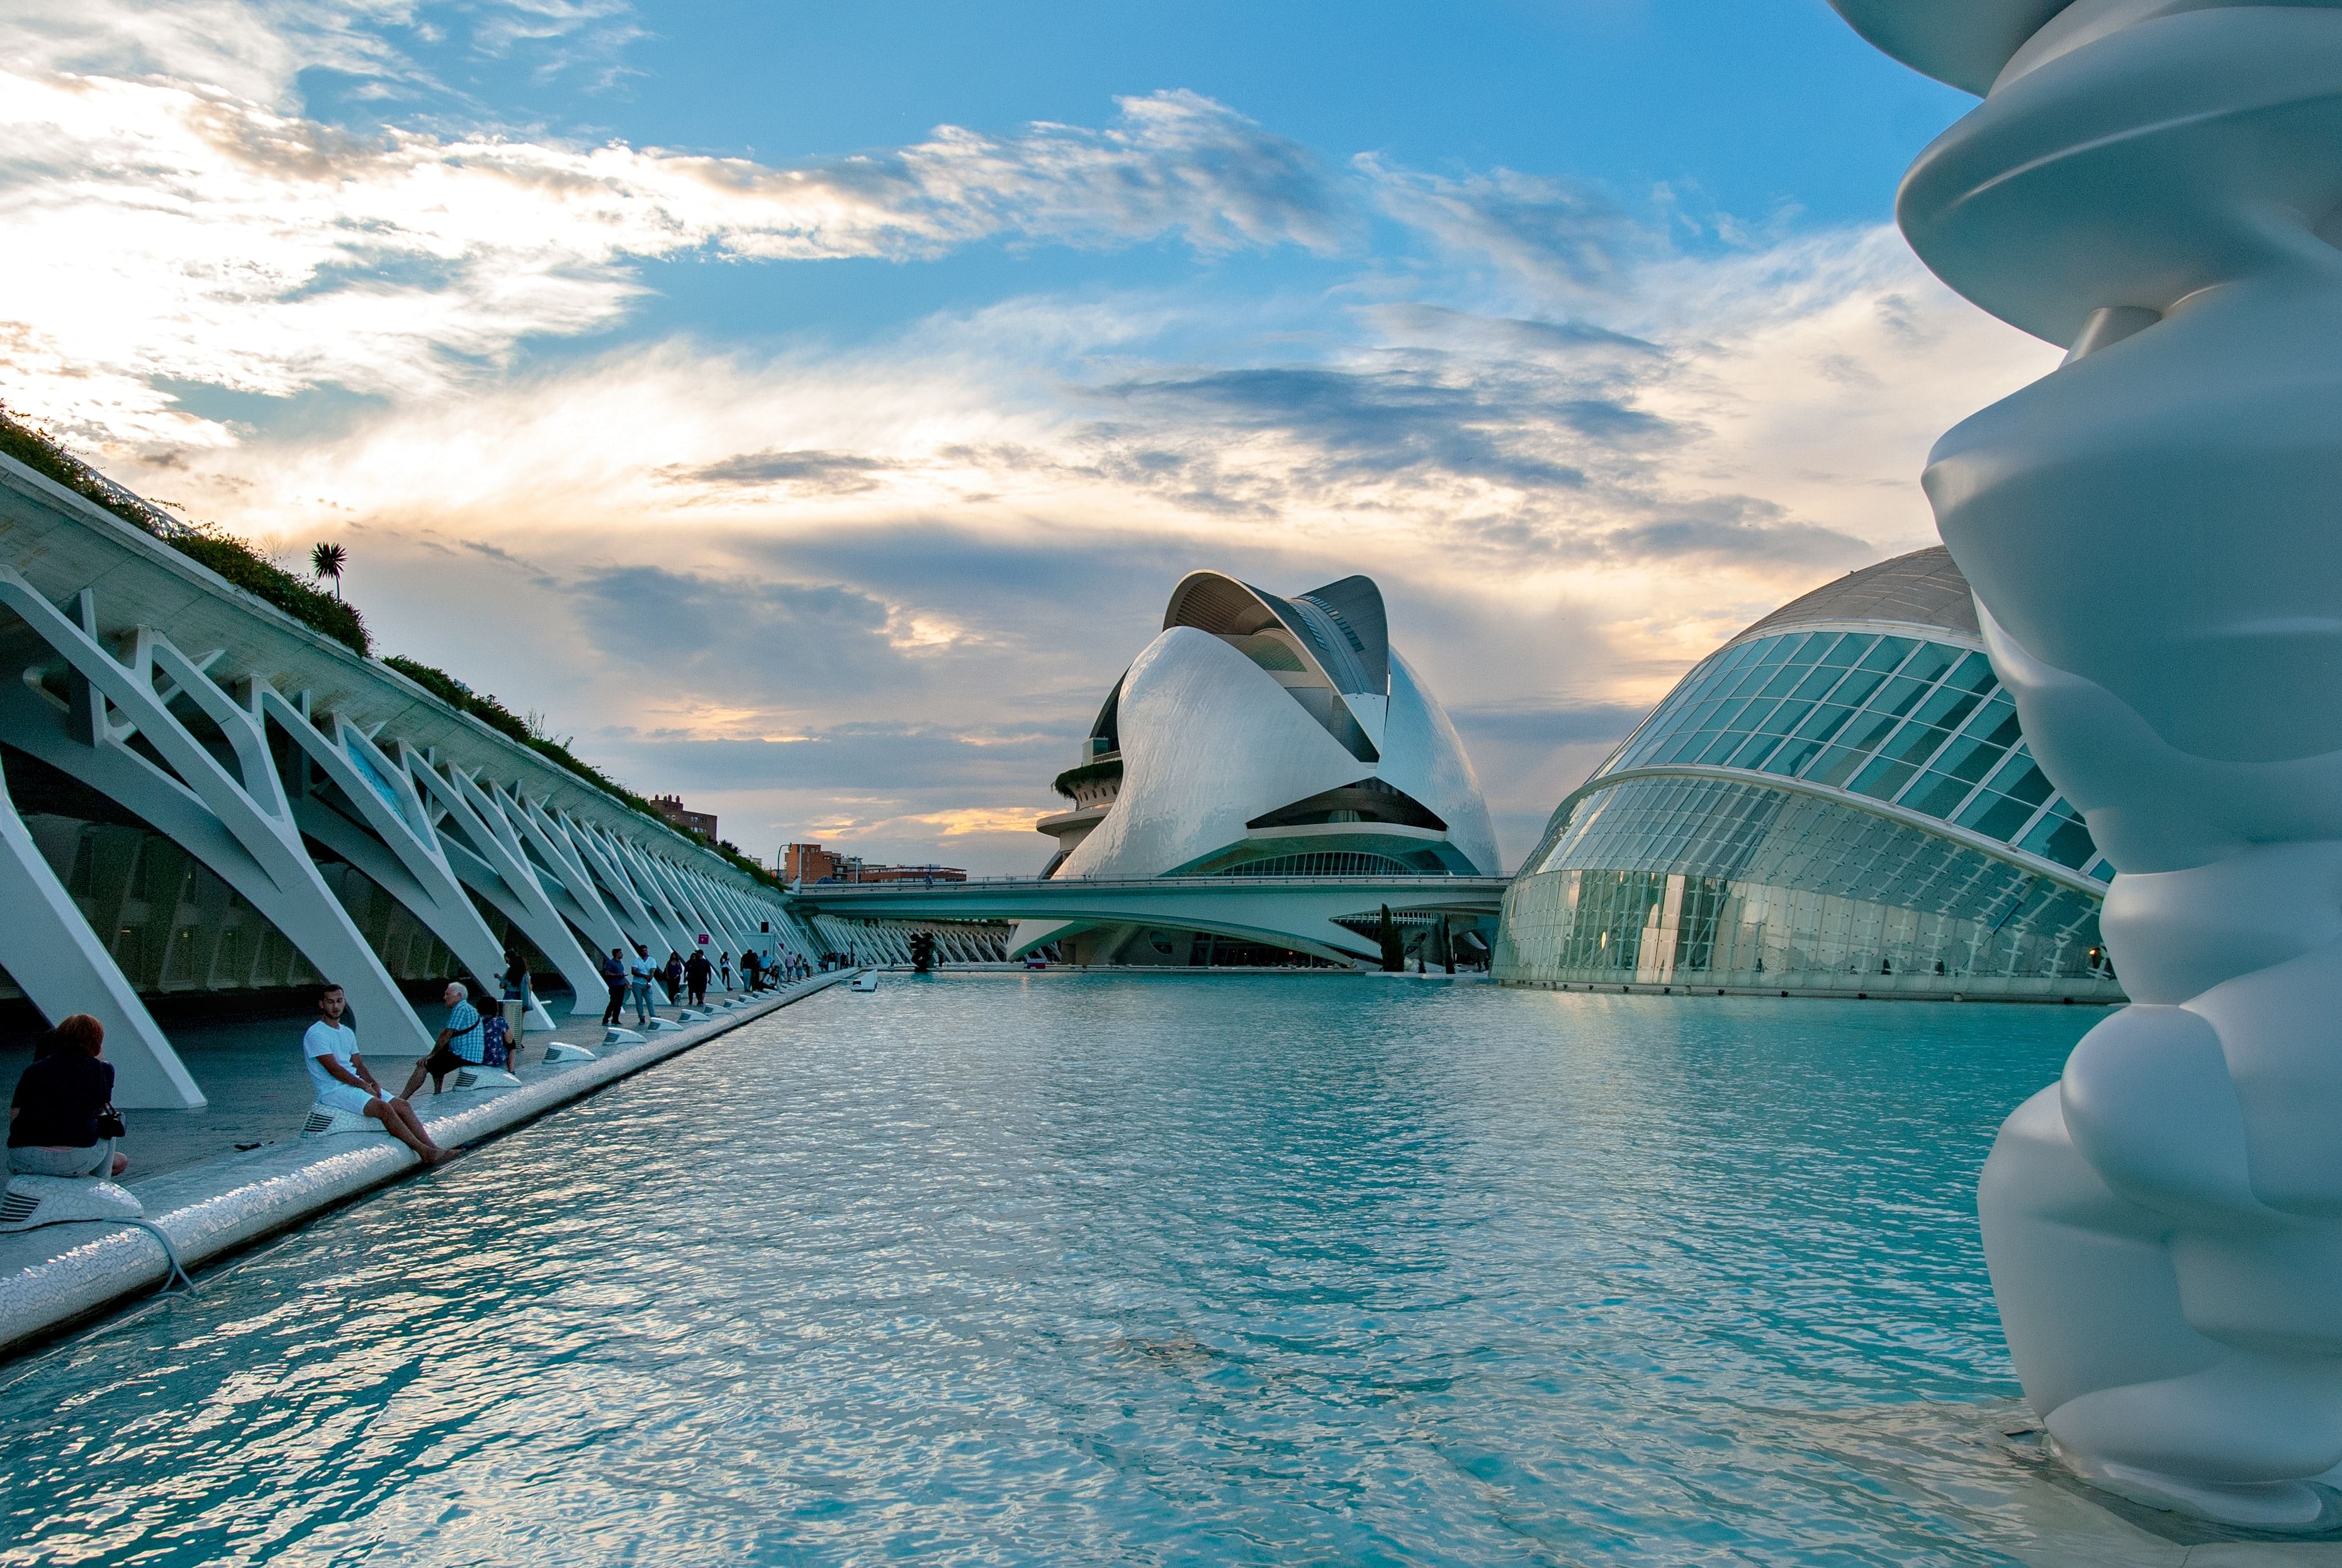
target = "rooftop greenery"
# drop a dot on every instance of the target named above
(247, 569)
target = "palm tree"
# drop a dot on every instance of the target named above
(327, 561)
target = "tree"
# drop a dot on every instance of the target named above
(1394, 950)
(327, 560)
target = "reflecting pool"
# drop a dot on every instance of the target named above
(1076, 1269)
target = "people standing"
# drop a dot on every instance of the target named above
(461, 1044)
(640, 971)
(330, 1048)
(724, 967)
(696, 972)
(515, 996)
(63, 1112)
(673, 975)
(614, 975)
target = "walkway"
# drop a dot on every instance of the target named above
(212, 1198)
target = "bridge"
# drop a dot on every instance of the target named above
(199, 793)
(1304, 913)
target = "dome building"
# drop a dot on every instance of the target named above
(1262, 736)
(1837, 801)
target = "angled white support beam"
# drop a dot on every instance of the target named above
(698, 911)
(624, 921)
(496, 868)
(50, 952)
(564, 877)
(656, 933)
(394, 842)
(236, 822)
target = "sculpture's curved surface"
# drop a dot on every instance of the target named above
(2149, 533)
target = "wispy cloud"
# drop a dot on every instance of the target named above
(881, 584)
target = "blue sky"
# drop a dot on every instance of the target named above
(810, 407)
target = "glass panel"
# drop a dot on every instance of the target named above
(1837, 764)
(1824, 722)
(1776, 650)
(2102, 868)
(1914, 743)
(1974, 674)
(1791, 757)
(1855, 687)
(1969, 758)
(1782, 680)
(1946, 706)
(2061, 836)
(1756, 749)
(1996, 816)
(1899, 697)
(1850, 647)
(1717, 749)
(1937, 794)
(1785, 717)
(2020, 778)
(1883, 777)
(1932, 660)
(1819, 681)
(1889, 653)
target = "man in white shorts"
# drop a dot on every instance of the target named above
(331, 1050)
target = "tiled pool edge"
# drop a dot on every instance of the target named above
(226, 1203)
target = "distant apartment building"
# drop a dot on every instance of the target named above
(812, 863)
(671, 807)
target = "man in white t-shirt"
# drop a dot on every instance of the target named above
(331, 1050)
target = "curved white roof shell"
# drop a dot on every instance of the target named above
(1250, 704)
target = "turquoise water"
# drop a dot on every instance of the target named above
(1074, 1270)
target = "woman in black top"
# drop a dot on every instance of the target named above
(53, 1122)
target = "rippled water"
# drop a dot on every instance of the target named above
(1071, 1270)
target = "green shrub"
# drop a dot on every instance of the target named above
(255, 573)
(215, 547)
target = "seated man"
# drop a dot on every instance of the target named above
(63, 1107)
(342, 1082)
(462, 1043)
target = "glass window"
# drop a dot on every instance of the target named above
(1776, 649)
(1974, 674)
(1782, 680)
(1837, 764)
(1889, 653)
(1850, 647)
(1883, 777)
(1948, 706)
(1819, 680)
(1899, 697)
(1825, 721)
(2020, 778)
(1937, 794)
(1855, 687)
(2102, 868)
(1996, 816)
(2061, 836)
(1786, 718)
(1932, 660)
(1754, 750)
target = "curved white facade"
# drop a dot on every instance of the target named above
(1265, 736)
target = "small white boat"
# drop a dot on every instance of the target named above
(867, 979)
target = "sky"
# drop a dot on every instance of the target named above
(809, 408)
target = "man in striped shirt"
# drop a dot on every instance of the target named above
(461, 1044)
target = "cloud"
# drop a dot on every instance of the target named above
(224, 243)
(1560, 236)
(878, 586)
(839, 473)
(730, 646)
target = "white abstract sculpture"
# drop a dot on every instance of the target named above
(2154, 533)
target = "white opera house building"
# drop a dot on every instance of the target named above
(1264, 735)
